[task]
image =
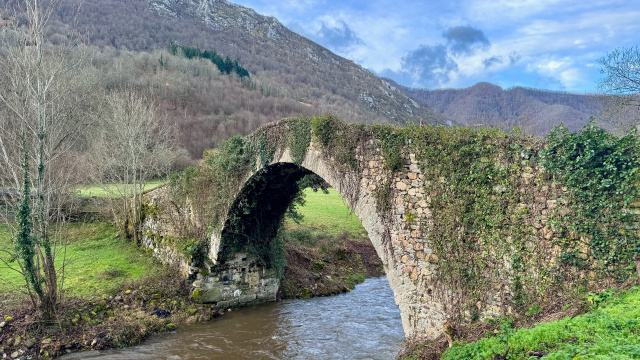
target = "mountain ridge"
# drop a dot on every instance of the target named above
(303, 70)
(535, 111)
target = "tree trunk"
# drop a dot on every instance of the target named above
(637, 261)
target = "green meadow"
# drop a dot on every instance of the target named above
(327, 213)
(99, 261)
(112, 190)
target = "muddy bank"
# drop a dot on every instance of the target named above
(125, 319)
(328, 268)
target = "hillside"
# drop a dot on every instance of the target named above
(301, 69)
(534, 111)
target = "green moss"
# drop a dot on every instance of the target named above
(306, 294)
(195, 251)
(409, 216)
(318, 265)
(149, 211)
(354, 279)
(338, 138)
(196, 296)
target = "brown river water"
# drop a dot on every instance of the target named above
(362, 324)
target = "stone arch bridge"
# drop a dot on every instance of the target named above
(208, 219)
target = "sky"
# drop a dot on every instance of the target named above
(544, 44)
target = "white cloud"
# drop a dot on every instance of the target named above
(558, 40)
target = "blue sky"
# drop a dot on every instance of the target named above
(546, 44)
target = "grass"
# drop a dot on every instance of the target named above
(610, 331)
(112, 190)
(98, 261)
(327, 213)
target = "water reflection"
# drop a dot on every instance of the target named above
(362, 324)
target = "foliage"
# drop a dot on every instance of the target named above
(24, 242)
(601, 174)
(226, 65)
(533, 310)
(472, 179)
(392, 142)
(277, 253)
(608, 332)
(299, 139)
(338, 138)
(194, 250)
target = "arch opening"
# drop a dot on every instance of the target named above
(257, 213)
(254, 246)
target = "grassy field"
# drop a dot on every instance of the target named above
(328, 213)
(98, 262)
(112, 190)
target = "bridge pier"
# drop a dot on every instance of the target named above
(239, 281)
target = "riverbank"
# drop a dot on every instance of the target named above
(327, 265)
(142, 308)
(116, 294)
(160, 302)
(603, 325)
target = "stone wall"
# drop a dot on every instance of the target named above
(396, 210)
(240, 281)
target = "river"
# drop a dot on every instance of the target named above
(362, 324)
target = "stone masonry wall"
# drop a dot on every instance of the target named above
(401, 235)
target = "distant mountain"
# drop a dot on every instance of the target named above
(535, 111)
(299, 68)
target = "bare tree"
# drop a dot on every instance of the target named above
(621, 81)
(38, 129)
(621, 69)
(132, 147)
